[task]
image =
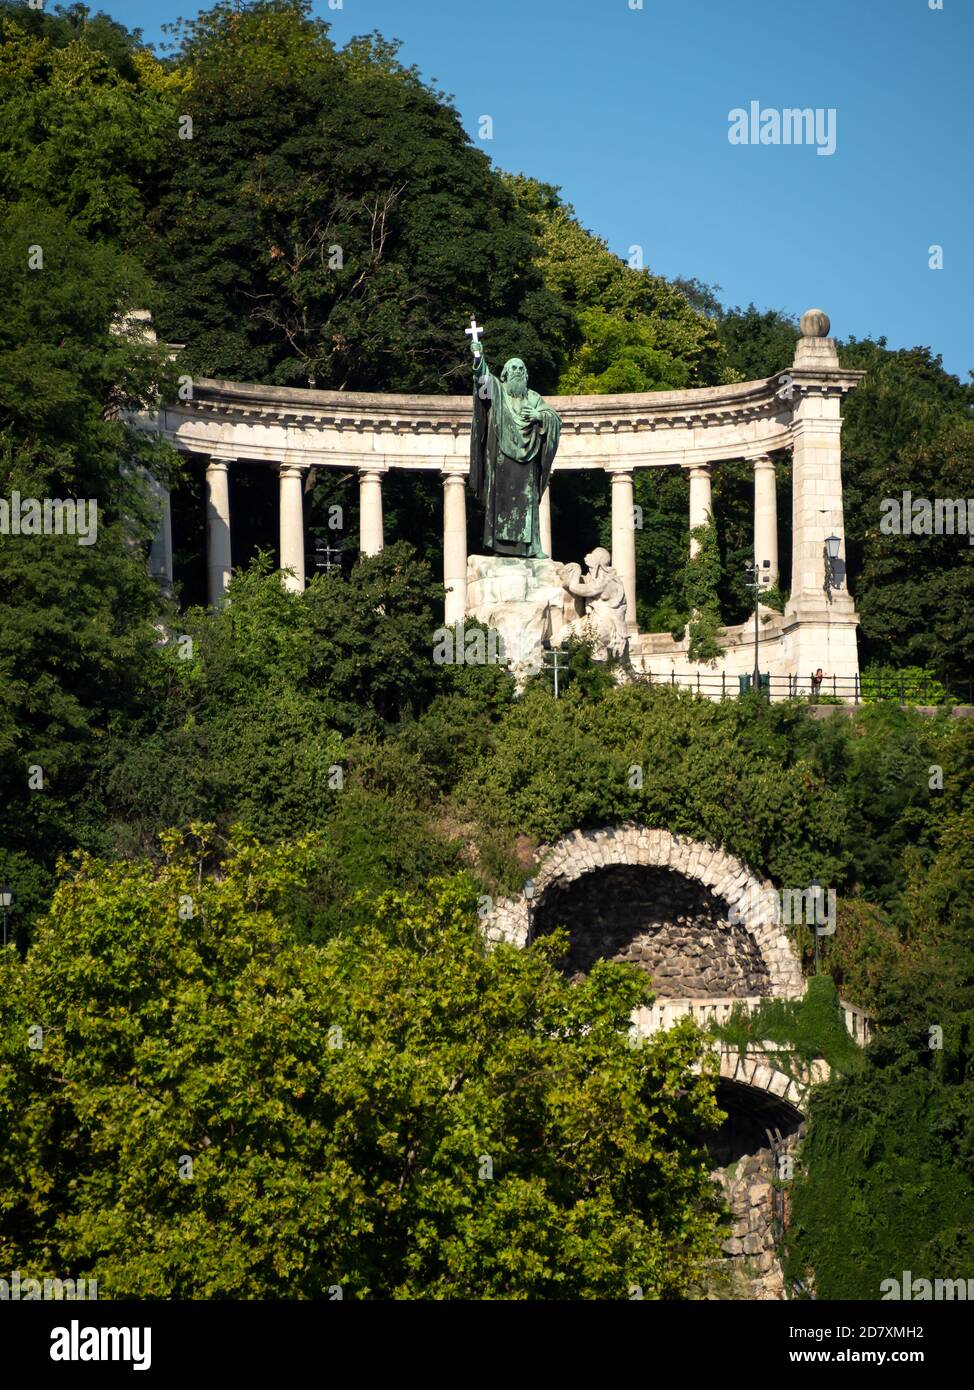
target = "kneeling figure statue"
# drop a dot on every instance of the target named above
(603, 621)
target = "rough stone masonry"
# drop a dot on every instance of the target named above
(675, 929)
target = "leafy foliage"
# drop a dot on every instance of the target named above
(203, 1035)
(354, 270)
(397, 1111)
(638, 332)
(886, 1181)
(76, 620)
(701, 577)
(805, 1029)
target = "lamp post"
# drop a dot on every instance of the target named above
(528, 891)
(6, 903)
(754, 582)
(832, 544)
(554, 653)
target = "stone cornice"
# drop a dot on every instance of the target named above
(382, 412)
(834, 383)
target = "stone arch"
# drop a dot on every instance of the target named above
(754, 901)
(722, 900)
(756, 1072)
(763, 1127)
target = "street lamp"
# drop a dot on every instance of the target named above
(528, 891)
(831, 554)
(6, 903)
(754, 582)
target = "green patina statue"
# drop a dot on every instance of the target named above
(513, 440)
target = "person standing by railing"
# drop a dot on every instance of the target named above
(817, 680)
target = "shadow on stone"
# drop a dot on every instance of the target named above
(675, 929)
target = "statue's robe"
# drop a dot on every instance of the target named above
(510, 463)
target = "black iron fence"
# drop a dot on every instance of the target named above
(859, 689)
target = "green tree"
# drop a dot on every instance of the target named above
(758, 343)
(739, 774)
(77, 635)
(909, 429)
(636, 331)
(885, 1184)
(89, 118)
(251, 707)
(351, 226)
(701, 577)
(398, 1111)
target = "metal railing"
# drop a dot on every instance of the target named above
(847, 689)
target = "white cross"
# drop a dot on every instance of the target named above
(473, 333)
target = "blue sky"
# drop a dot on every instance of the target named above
(627, 109)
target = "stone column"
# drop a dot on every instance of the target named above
(700, 501)
(819, 629)
(765, 520)
(544, 520)
(624, 538)
(370, 510)
(454, 547)
(217, 529)
(817, 471)
(292, 525)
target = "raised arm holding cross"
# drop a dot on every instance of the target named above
(473, 333)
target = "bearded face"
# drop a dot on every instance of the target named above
(515, 377)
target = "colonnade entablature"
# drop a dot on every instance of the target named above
(273, 424)
(798, 410)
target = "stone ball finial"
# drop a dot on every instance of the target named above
(815, 323)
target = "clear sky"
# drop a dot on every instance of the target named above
(627, 110)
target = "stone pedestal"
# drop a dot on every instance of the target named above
(519, 599)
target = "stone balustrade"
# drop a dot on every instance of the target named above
(663, 1013)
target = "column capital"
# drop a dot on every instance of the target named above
(830, 426)
(372, 470)
(217, 465)
(291, 470)
(453, 475)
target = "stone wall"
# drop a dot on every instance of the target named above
(754, 900)
(745, 1173)
(673, 927)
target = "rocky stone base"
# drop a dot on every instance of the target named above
(672, 927)
(521, 600)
